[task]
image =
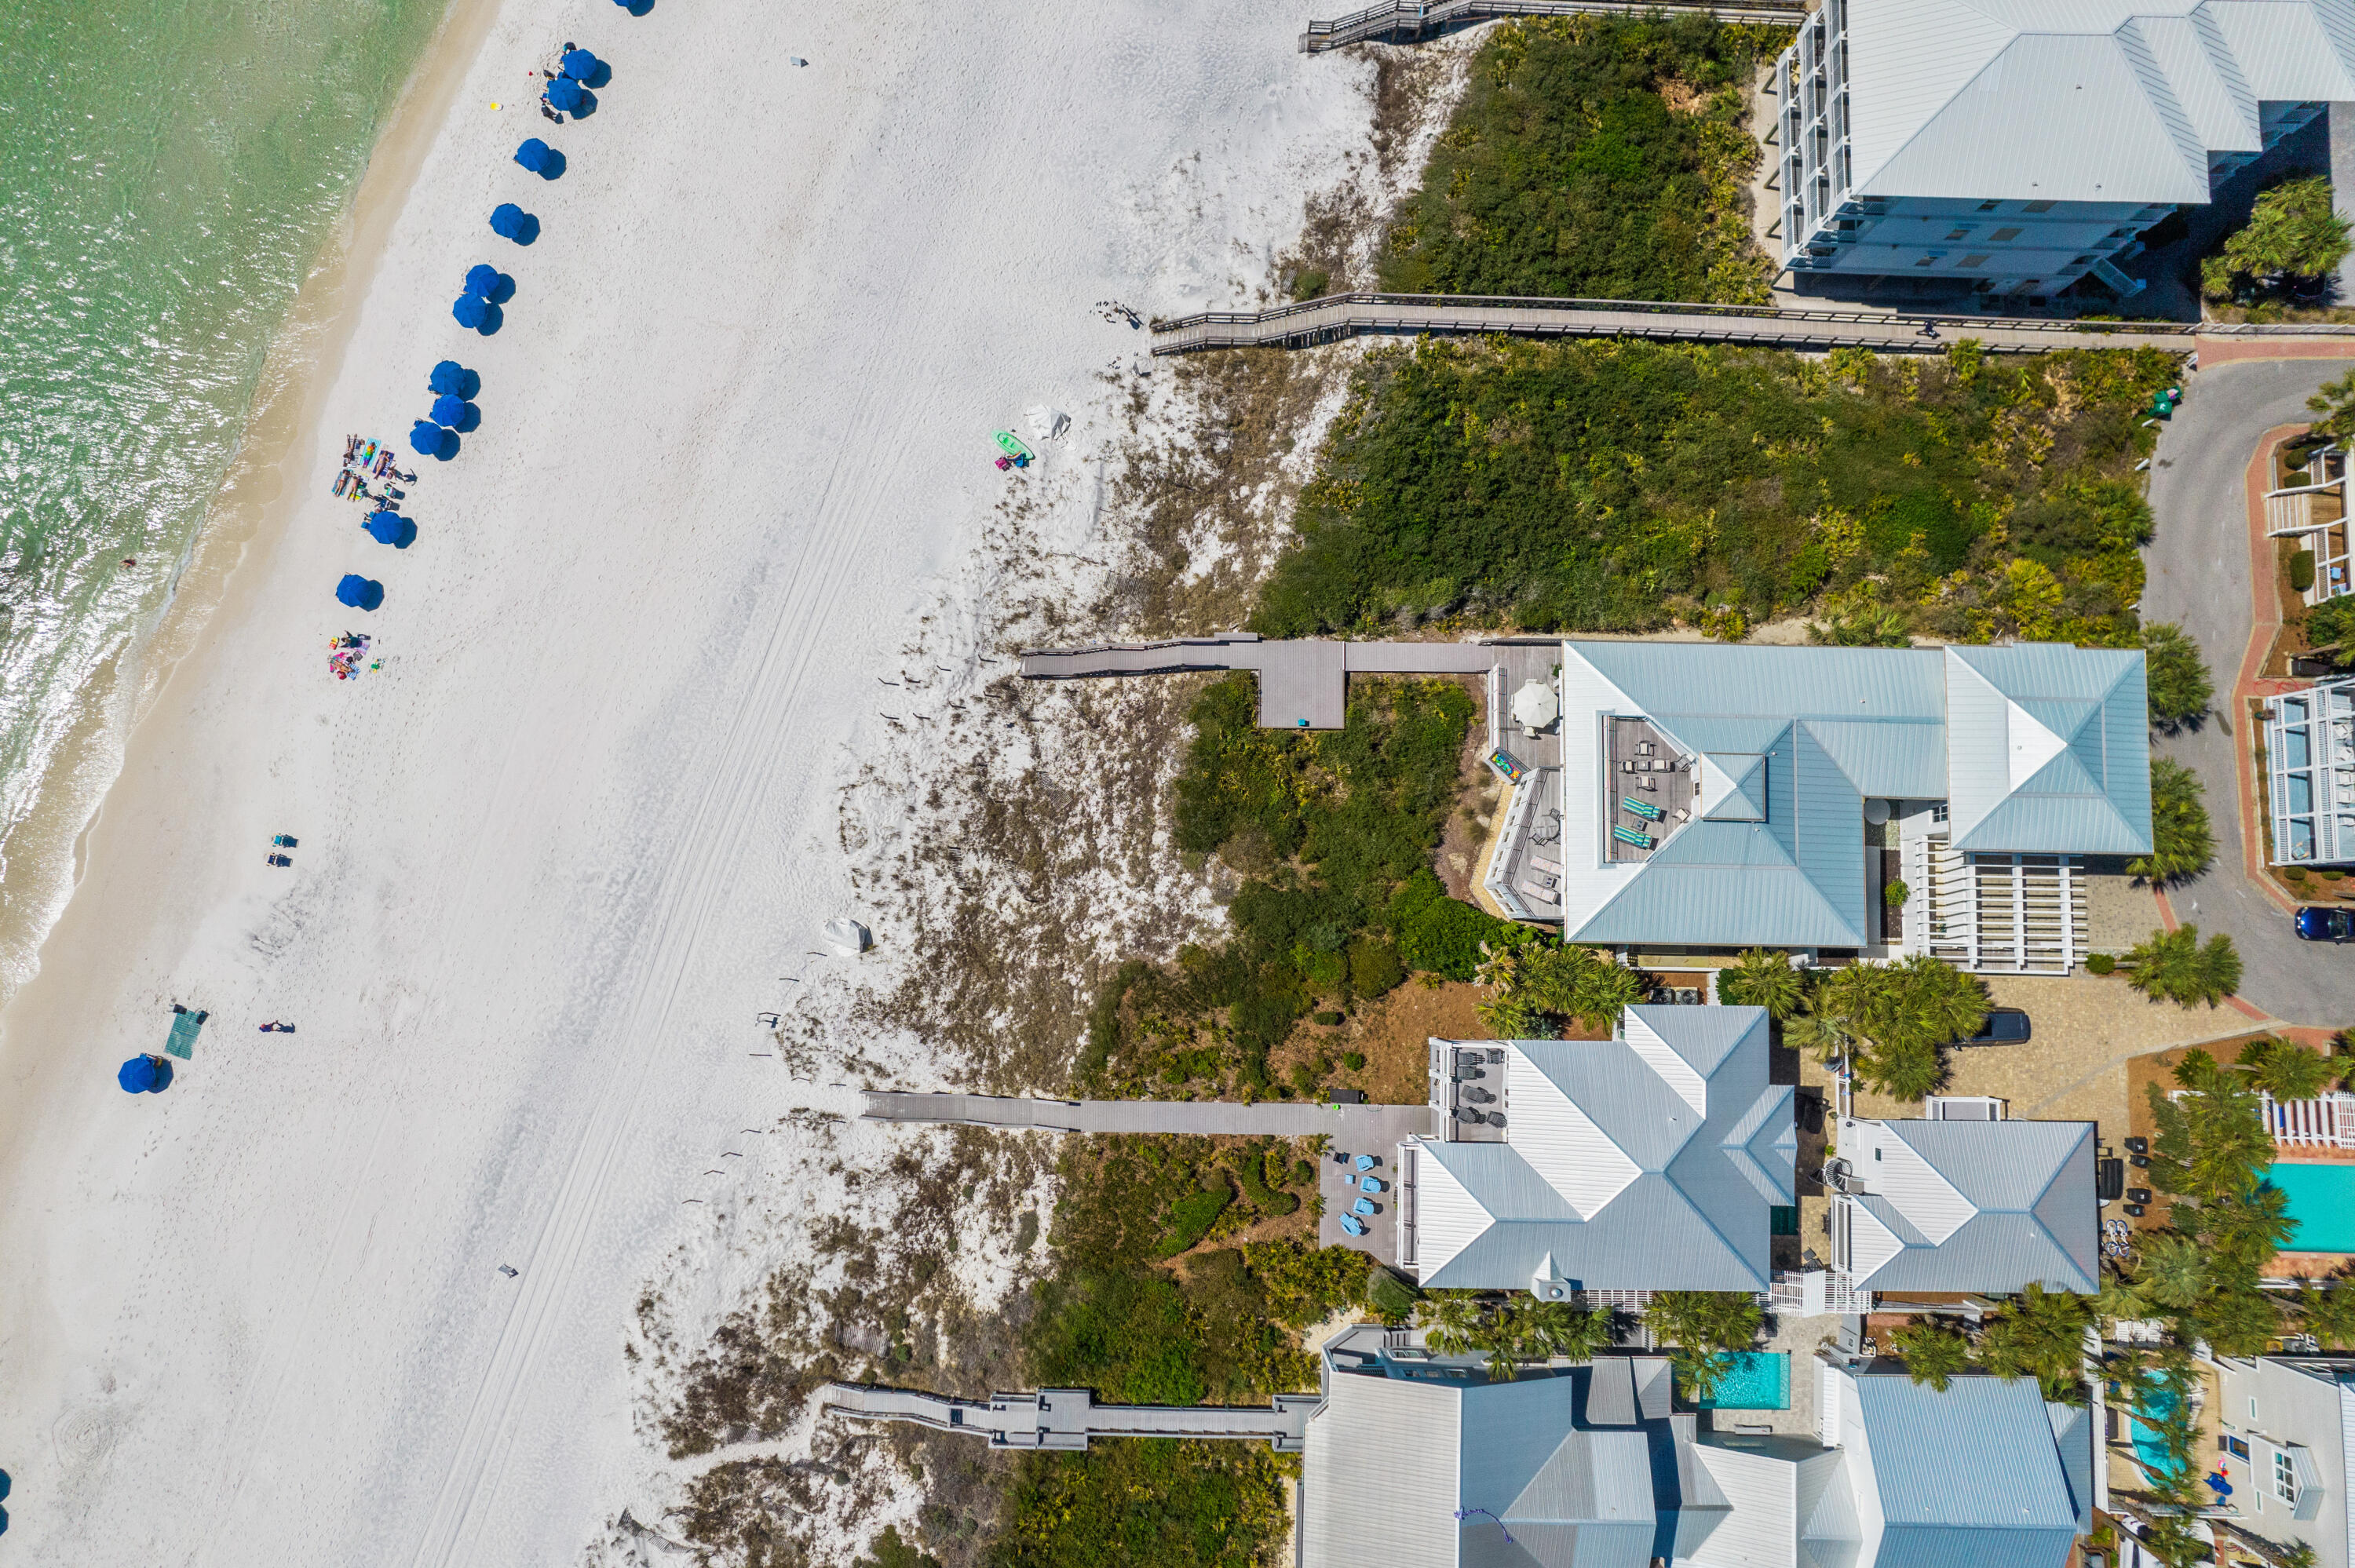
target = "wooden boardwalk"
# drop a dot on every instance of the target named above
(1338, 316)
(1407, 21)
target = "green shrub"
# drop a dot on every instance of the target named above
(2101, 964)
(2301, 571)
(1304, 1283)
(1389, 1294)
(1304, 1174)
(890, 1551)
(1330, 1019)
(1191, 1217)
(1374, 966)
(1612, 485)
(1250, 1169)
(1310, 283)
(2330, 632)
(1896, 892)
(1565, 170)
(1353, 1060)
(2295, 873)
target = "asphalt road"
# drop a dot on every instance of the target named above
(2199, 578)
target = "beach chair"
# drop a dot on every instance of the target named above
(1370, 1183)
(1362, 1206)
(1350, 1224)
(1643, 809)
(1367, 1161)
(1630, 836)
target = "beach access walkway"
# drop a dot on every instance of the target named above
(1407, 21)
(1337, 316)
(1350, 1126)
(1303, 681)
(1068, 1419)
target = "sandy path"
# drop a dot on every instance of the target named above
(555, 856)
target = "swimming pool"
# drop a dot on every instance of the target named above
(2321, 1205)
(1754, 1380)
(2160, 1402)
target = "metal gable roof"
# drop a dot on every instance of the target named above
(1737, 682)
(2097, 101)
(1978, 1457)
(2048, 749)
(1355, 1512)
(2029, 1189)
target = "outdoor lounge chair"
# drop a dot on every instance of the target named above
(1630, 836)
(1362, 1206)
(1370, 1183)
(1350, 1224)
(1367, 1161)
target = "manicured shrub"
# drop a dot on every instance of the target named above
(1896, 892)
(2101, 964)
(2301, 571)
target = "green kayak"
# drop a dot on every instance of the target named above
(1011, 445)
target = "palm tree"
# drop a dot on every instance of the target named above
(1763, 977)
(1501, 1365)
(1451, 1324)
(2328, 1313)
(1602, 989)
(2172, 966)
(1825, 1035)
(2243, 1230)
(2284, 1069)
(1908, 1069)
(1704, 1320)
(1932, 1353)
(2239, 1321)
(1698, 1373)
(1558, 1328)
(2040, 1335)
(2172, 1272)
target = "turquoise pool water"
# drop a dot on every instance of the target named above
(1757, 1380)
(2321, 1205)
(2148, 1447)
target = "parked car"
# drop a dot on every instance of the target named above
(2004, 1026)
(2326, 925)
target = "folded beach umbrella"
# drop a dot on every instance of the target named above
(425, 438)
(472, 311)
(448, 377)
(449, 409)
(566, 95)
(481, 279)
(580, 64)
(359, 592)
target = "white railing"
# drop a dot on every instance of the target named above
(2325, 1123)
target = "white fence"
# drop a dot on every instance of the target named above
(2325, 1123)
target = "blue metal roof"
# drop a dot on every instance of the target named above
(1967, 1478)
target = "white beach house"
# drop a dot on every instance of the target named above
(2310, 773)
(2020, 144)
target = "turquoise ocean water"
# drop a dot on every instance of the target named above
(169, 172)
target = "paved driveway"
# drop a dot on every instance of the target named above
(2198, 578)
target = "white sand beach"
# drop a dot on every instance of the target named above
(555, 856)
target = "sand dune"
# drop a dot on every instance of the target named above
(555, 856)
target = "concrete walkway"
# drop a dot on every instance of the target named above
(2208, 573)
(1069, 1418)
(1352, 1126)
(1303, 681)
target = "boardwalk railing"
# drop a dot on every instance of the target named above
(1406, 20)
(1336, 316)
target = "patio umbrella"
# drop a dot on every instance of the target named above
(359, 592)
(449, 408)
(472, 311)
(481, 279)
(580, 64)
(540, 158)
(388, 527)
(425, 438)
(565, 95)
(450, 376)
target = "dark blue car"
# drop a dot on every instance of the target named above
(2326, 925)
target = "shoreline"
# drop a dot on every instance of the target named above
(251, 507)
(249, 515)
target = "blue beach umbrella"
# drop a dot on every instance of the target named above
(425, 438)
(448, 376)
(389, 527)
(144, 1075)
(359, 592)
(565, 95)
(534, 154)
(481, 279)
(449, 408)
(509, 222)
(471, 311)
(580, 64)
